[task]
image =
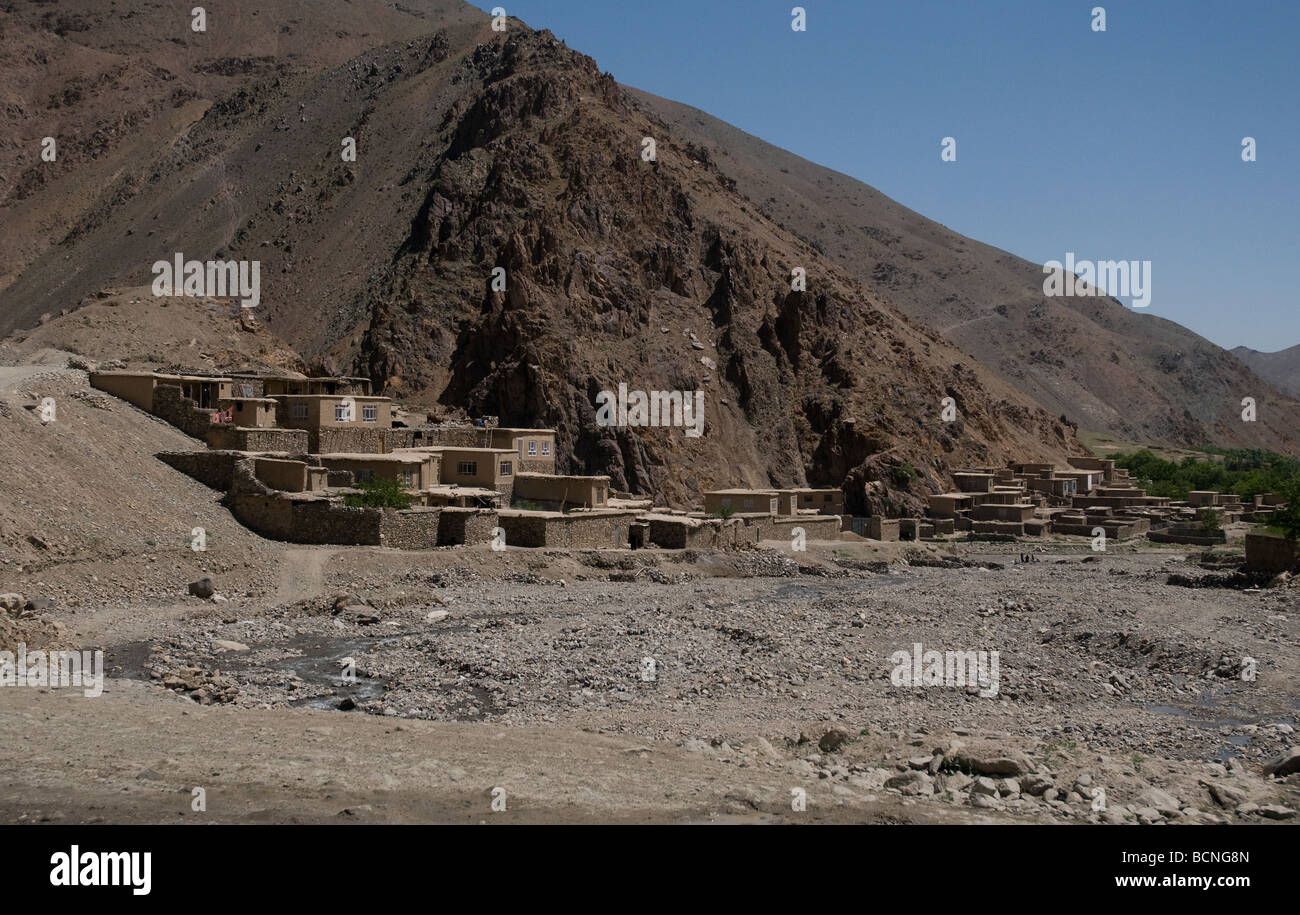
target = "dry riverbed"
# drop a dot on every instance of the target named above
(667, 686)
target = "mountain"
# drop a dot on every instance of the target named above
(480, 150)
(1281, 369)
(1107, 367)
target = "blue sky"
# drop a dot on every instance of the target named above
(1123, 144)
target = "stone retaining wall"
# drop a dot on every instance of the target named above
(1272, 554)
(586, 531)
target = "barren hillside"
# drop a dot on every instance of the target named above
(1281, 369)
(1107, 367)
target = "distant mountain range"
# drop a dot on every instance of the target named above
(1281, 369)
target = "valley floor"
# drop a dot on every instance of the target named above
(656, 686)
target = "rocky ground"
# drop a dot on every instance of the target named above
(667, 686)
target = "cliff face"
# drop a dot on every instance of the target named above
(660, 276)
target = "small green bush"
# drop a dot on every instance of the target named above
(381, 493)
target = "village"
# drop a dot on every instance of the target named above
(289, 450)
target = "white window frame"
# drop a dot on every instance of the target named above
(370, 413)
(532, 449)
(546, 448)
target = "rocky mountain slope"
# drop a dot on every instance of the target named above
(1281, 369)
(1107, 367)
(480, 150)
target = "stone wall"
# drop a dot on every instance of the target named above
(331, 440)
(211, 468)
(410, 529)
(700, 533)
(458, 526)
(816, 527)
(243, 438)
(587, 531)
(1272, 554)
(454, 436)
(171, 404)
(299, 519)
(879, 528)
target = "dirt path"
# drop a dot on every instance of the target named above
(302, 573)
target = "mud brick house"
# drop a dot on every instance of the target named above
(743, 501)
(249, 412)
(414, 470)
(561, 493)
(490, 468)
(288, 475)
(278, 385)
(448, 495)
(337, 422)
(535, 447)
(973, 481)
(820, 501)
(139, 387)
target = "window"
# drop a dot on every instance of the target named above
(407, 478)
(532, 449)
(748, 504)
(246, 390)
(365, 476)
(343, 413)
(827, 498)
(600, 495)
(370, 413)
(546, 448)
(726, 501)
(467, 468)
(507, 468)
(300, 411)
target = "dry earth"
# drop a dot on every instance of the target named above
(522, 671)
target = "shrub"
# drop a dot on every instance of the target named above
(381, 493)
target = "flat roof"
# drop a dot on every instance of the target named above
(465, 449)
(515, 429)
(170, 376)
(388, 457)
(330, 396)
(737, 492)
(453, 489)
(559, 476)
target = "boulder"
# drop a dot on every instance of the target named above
(832, 740)
(912, 783)
(203, 588)
(1162, 801)
(1284, 764)
(993, 763)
